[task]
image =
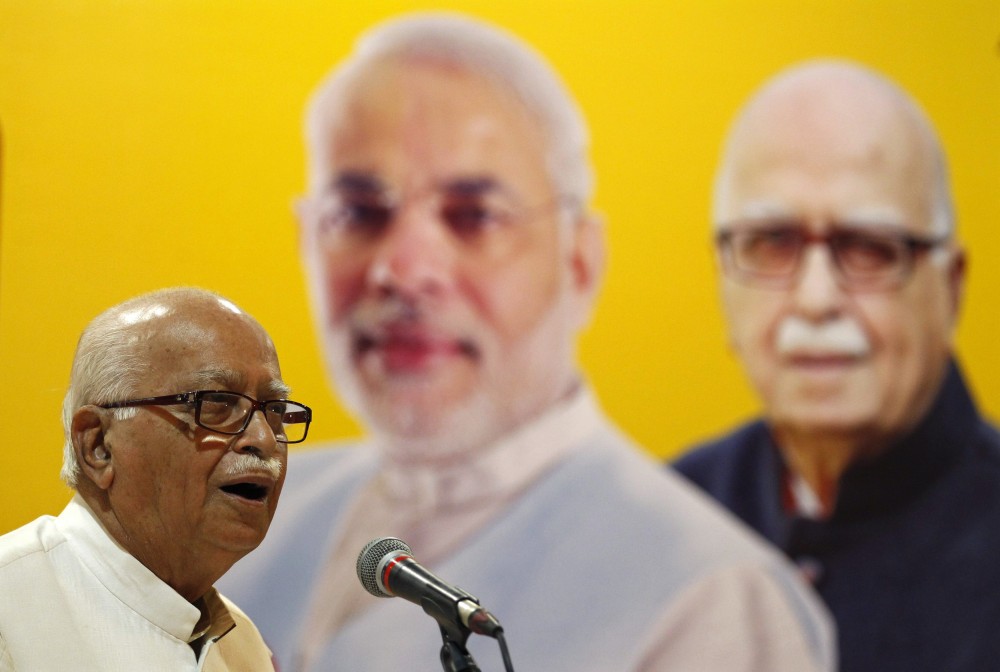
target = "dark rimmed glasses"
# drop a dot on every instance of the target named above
(230, 412)
(865, 258)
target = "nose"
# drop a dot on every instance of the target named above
(258, 437)
(817, 295)
(415, 255)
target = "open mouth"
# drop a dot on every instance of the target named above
(251, 491)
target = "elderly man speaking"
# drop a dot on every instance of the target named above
(176, 425)
(842, 279)
(452, 261)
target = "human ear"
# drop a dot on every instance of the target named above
(300, 206)
(956, 281)
(588, 256)
(93, 455)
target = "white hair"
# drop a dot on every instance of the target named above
(942, 215)
(476, 47)
(107, 363)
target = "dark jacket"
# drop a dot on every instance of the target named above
(909, 562)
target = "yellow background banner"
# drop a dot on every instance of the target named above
(154, 143)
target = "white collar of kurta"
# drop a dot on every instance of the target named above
(124, 576)
(500, 470)
(806, 502)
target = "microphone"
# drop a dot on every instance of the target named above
(386, 569)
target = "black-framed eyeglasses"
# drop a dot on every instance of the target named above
(230, 412)
(865, 258)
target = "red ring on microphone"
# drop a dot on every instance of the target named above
(388, 568)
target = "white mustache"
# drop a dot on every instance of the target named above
(248, 463)
(840, 337)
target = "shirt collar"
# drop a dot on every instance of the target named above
(134, 584)
(215, 620)
(800, 498)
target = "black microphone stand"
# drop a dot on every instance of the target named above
(454, 656)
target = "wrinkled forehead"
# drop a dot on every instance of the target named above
(212, 340)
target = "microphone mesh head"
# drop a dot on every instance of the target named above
(371, 557)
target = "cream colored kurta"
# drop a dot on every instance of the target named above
(73, 599)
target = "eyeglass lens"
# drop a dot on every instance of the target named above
(230, 413)
(861, 257)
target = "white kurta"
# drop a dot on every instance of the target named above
(593, 557)
(71, 598)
